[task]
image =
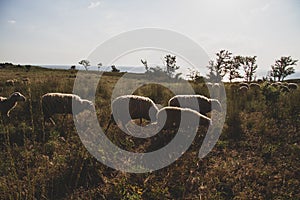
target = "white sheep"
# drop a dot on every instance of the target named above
(173, 117)
(284, 88)
(216, 86)
(276, 85)
(61, 103)
(254, 86)
(10, 82)
(234, 87)
(243, 89)
(209, 85)
(7, 104)
(26, 81)
(199, 103)
(244, 84)
(128, 107)
(293, 86)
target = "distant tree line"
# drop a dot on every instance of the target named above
(227, 64)
(11, 65)
(168, 70)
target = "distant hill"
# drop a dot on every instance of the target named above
(18, 66)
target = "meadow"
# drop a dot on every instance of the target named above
(256, 157)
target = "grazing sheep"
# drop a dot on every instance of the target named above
(61, 103)
(217, 90)
(275, 85)
(209, 85)
(243, 89)
(199, 103)
(216, 86)
(170, 117)
(244, 84)
(10, 82)
(284, 83)
(293, 86)
(128, 107)
(25, 80)
(284, 88)
(254, 86)
(7, 104)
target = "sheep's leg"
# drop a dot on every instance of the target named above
(2, 118)
(109, 123)
(52, 121)
(64, 118)
(141, 121)
(62, 124)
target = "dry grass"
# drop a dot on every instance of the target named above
(257, 156)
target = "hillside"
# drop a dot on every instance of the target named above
(256, 157)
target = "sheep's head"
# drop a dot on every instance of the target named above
(88, 105)
(215, 104)
(17, 96)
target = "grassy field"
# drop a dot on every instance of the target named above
(257, 156)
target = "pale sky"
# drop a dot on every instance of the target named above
(66, 31)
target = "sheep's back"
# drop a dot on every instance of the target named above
(195, 102)
(138, 108)
(170, 117)
(55, 103)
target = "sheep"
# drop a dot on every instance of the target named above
(128, 107)
(243, 89)
(200, 103)
(10, 82)
(209, 85)
(244, 84)
(216, 86)
(7, 104)
(234, 87)
(254, 86)
(170, 117)
(26, 81)
(284, 88)
(275, 85)
(61, 103)
(217, 90)
(293, 86)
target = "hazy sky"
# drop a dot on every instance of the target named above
(66, 31)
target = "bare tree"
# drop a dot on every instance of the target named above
(99, 66)
(171, 66)
(281, 68)
(233, 67)
(218, 68)
(145, 63)
(194, 75)
(85, 64)
(250, 66)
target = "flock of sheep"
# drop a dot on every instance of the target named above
(139, 108)
(283, 87)
(187, 106)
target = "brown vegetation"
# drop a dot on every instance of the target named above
(257, 156)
